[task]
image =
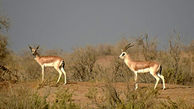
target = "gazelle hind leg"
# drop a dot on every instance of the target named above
(62, 69)
(60, 73)
(163, 81)
(157, 80)
(156, 77)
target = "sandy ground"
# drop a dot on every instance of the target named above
(81, 89)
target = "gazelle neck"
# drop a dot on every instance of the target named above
(36, 56)
(127, 59)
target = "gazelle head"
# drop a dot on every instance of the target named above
(34, 50)
(124, 53)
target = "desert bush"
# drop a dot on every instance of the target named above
(116, 71)
(7, 75)
(109, 99)
(112, 96)
(92, 93)
(178, 104)
(6, 72)
(140, 99)
(120, 71)
(145, 98)
(149, 48)
(119, 45)
(4, 23)
(22, 98)
(3, 49)
(190, 51)
(64, 101)
(81, 64)
(101, 73)
(176, 63)
(105, 49)
(175, 52)
(29, 68)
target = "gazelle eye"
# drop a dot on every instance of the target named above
(123, 54)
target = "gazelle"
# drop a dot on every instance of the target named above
(153, 68)
(49, 61)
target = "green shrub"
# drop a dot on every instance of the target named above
(64, 101)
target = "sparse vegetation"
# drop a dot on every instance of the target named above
(64, 101)
(145, 98)
(22, 98)
(81, 64)
(99, 64)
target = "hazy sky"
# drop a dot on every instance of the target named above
(65, 24)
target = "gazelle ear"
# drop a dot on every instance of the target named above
(30, 47)
(37, 47)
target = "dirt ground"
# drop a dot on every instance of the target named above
(81, 89)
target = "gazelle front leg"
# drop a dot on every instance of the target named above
(135, 77)
(42, 73)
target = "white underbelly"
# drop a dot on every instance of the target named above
(49, 64)
(146, 70)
